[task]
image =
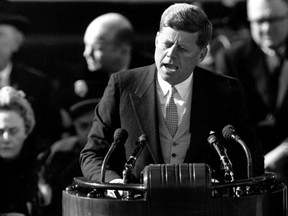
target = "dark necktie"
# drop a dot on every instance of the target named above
(171, 119)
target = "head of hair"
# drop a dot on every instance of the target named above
(188, 18)
(14, 100)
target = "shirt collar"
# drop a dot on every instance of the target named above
(181, 87)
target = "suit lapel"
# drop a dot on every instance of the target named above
(200, 102)
(144, 103)
(259, 75)
(283, 84)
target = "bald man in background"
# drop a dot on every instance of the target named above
(108, 43)
(108, 48)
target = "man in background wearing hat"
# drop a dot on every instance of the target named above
(34, 83)
(63, 162)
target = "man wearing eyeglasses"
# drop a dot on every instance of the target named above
(261, 64)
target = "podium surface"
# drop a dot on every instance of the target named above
(183, 189)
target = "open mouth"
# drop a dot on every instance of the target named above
(170, 67)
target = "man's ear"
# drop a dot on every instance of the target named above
(156, 38)
(202, 54)
(126, 49)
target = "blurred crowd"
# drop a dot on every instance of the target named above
(43, 126)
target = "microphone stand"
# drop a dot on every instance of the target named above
(229, 133)
(129, 165)
(127, 174)
(120, 136)
(106, 158)
(221, 150)
(249, 158)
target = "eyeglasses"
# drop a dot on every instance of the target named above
(270, 19)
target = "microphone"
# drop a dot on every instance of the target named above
(140, 144)
(229, 133)
(130, 163)
(222, 152)
(120, 137)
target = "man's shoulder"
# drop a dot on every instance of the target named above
(140, 69)
(133, 78)
(136, 73)
(213, 78)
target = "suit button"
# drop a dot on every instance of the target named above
(173, 155)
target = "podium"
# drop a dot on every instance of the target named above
(182, 189)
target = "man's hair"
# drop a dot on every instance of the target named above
(188, 18)
(13, 100)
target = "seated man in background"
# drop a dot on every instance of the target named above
(62, 164)
(261, 65)
(108, 41)
(36, 85)
(22, 156)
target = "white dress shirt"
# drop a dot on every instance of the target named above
(180, 97)
(174, 148)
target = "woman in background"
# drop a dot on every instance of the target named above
(23, 190)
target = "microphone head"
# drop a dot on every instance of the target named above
(120, 135)
(143, 138)
(211, 138)
(227, 131)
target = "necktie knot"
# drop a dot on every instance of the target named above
(171, 119)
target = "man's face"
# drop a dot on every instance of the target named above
(12, 134)
(268, 22)
(100, 52)
(176, 54)
(10, 41)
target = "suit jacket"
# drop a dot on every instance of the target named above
(130, 102)
(246, 61)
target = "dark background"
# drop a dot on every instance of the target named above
(55, 44)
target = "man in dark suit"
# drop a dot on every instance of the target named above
(261, 64)
(34, 83)
(140, 101)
